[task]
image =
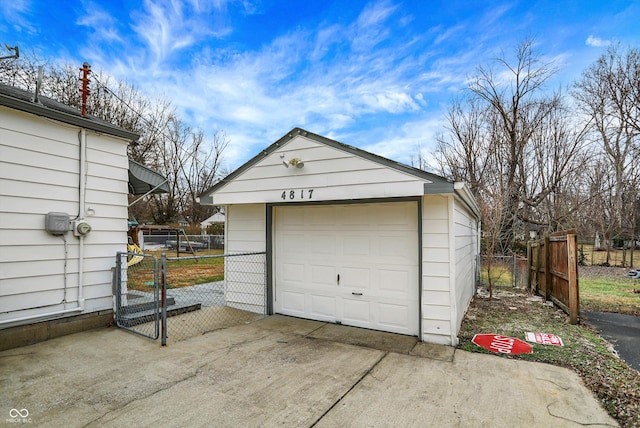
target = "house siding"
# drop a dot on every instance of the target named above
(466, 249)
(39, 173)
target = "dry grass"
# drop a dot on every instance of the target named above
(619, 258)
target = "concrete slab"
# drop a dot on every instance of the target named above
(369, 338)
(475, 391)
(278, 372)
(433, 351)
(281, 323)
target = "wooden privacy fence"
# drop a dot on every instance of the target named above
(553, 271)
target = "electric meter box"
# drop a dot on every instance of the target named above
(57, 223)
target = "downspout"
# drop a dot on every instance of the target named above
(81, 212)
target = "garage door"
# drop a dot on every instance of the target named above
(353, 264)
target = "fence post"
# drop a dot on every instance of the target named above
(574, 304)
(539, 266)
(163, 298)
(547, 268)
(529, 265)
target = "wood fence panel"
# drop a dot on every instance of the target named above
(553, 267)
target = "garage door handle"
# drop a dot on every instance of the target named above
(338, 279)
(357, 294)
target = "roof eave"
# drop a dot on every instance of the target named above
(80, 121)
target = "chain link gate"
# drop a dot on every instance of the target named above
(138, 305)
(183, 297)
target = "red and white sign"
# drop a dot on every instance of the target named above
(502, 344)
(543, 338)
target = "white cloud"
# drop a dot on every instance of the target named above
(17, 13)
(405, 142)
(100, 22)
(597, 42)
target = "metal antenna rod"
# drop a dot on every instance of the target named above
(15, 55)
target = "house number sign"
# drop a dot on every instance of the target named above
(291, 195)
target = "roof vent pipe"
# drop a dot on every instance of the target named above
(36, 94)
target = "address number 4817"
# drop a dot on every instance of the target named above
(296, 194)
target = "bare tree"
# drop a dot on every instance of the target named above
(554, 166)
(463, 152)
(608, 95)
(200, 170)
(191, 162)
(518, 105)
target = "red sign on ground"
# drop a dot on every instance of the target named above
(502, 344)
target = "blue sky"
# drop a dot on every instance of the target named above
(378, 75)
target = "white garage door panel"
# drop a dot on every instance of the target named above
(293, 302)
(357, 312)
(323, 306)
(371, 248)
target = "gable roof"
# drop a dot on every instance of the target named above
(437, 184)
(22, 100)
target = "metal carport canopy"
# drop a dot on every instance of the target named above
(143, 180)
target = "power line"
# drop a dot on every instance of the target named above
(149, 123)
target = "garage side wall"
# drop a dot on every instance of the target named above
(466, 249)
(245, 278)
(436, 270)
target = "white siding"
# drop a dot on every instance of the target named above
(466, 249)
(449, 248)
(333, 174)
(245, 286)
(436, 266)
(39, 173)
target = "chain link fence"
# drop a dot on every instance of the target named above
(182, 243)
(206, 293)
(137, 294)
(503, 271)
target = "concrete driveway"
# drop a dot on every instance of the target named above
(283, 371)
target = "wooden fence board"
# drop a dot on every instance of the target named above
(553, 270)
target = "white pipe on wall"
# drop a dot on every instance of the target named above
(81, 213)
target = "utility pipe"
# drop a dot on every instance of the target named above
(81, 213)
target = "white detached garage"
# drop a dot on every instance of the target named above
(353, 238)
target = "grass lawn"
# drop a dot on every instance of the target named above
(610, 294)
(180, 273)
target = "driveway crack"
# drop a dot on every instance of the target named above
(339, 400)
